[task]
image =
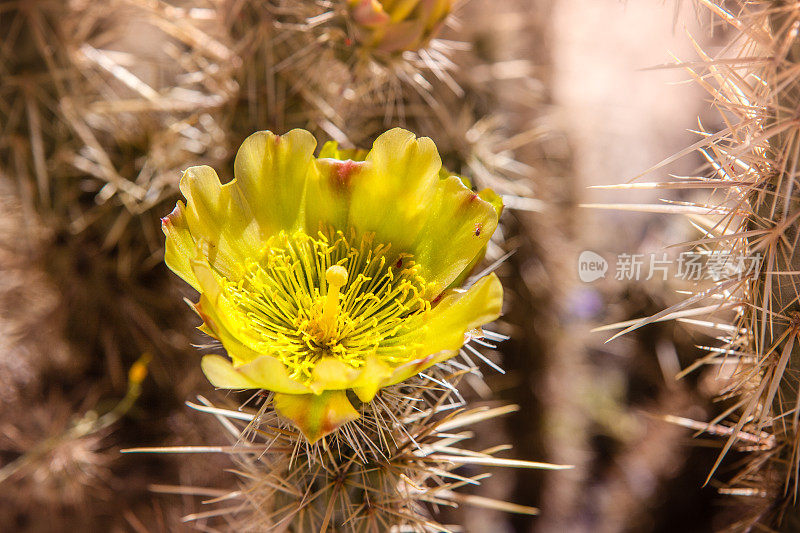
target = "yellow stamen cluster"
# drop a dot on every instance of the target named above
(330, 295)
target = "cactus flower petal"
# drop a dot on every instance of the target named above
(266, 372)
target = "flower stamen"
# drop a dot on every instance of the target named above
(336, 276)
(311, 297)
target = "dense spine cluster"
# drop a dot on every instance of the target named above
(752, 210)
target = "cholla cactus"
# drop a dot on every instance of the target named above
(348, 69)
(321, 276)
(752, 212)
(385, 471)
(103, 102)
(334, 285)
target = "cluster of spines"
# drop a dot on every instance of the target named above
(378, 472)
(753, 208)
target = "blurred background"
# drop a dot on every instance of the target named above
(102, 105)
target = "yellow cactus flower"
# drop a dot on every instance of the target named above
(397, 25)
(332, 274)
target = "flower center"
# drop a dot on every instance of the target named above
(329, 296)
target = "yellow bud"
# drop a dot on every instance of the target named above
(138, 370)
